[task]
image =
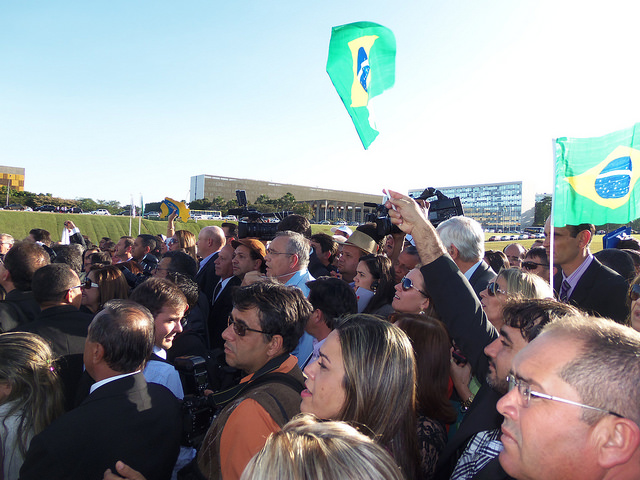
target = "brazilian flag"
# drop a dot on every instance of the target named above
(361, 65)
(597, 179)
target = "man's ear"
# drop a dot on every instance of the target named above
(5, 275)
(295, 260)
(453, 251)
(96, 351)
(617, 440)
(275, 346)
(584, 238)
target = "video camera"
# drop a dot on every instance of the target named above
(198, 409)
(262, 226)
(441, 207)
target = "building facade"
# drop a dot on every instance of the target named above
(13, 177)
(326, 204)
(496, 206)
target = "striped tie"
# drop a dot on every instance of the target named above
(564, 289)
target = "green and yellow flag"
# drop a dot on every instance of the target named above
(597, 179)
(361, 65)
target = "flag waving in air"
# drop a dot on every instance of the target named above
(597, 179)
(361, 65)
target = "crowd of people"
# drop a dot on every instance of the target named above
(405, 354)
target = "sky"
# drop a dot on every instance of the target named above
(110, 100)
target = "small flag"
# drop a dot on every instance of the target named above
(596, 179)
(361, 65)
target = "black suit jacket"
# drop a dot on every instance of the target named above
(207, 278)
(600, 291)
(459, 308)
(65, 328)
(481, 278)
(220, 311)
(126, 419)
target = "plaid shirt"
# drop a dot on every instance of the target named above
(483, 447)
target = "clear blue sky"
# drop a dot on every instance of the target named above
(108, 99)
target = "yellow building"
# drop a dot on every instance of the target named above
(12, 176)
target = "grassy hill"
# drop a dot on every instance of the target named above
(18, 224)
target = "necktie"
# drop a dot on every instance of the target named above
(564, 289)
(216, 291)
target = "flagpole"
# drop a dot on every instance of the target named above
(130, 213)
(551, 218)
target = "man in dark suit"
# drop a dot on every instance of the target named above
(488, 354)
(210, 241)
(222, 304)
(583, 281)
(124, 418)
(464, 240)
(57, 290)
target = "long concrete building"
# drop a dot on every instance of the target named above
(326, 204)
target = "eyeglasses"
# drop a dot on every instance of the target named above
(526, 393)
(87, 284)
(493, 289)
(171, 241)
(407, 284)
(273, 252)
(241, 328)
(528, 265)
(634, 294)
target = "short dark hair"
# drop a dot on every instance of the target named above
(186, 285)
(128, 241)
(41, 235)
(148, 241)
(157, 293)
(282, 310)
(100, 258)
(539, 252)
(333, 297)
(22, 261)
(51, 282)
(126, 332)
(232, 227)
(531, 315)
(70, 255)
(182, 263)
(619, 261)
(574, 230)
(327, 243)
(295, 223)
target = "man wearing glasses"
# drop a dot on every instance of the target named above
(265, 325)
(573, 407)
(472, 452)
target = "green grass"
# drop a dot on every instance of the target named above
(18, 225)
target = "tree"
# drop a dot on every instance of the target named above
(201, 204)
(542, 211)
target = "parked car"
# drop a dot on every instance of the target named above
(15, 206)
(325, 222)
(494, 238)
(100, 211)
(152, 214)
(46, 208)
(76, 210)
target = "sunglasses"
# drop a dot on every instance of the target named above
(532, 265)
(407, 284)
(493, 289)
(241, 329)
(87, 284)
(171, 241)
(634, 294)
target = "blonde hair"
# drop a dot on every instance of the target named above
(306, 448)
(525, 285)
(380, 385)
(27, 365)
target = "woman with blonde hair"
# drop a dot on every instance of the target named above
(509, 284)
(365, 375)
(307, 448)
(30, 395)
